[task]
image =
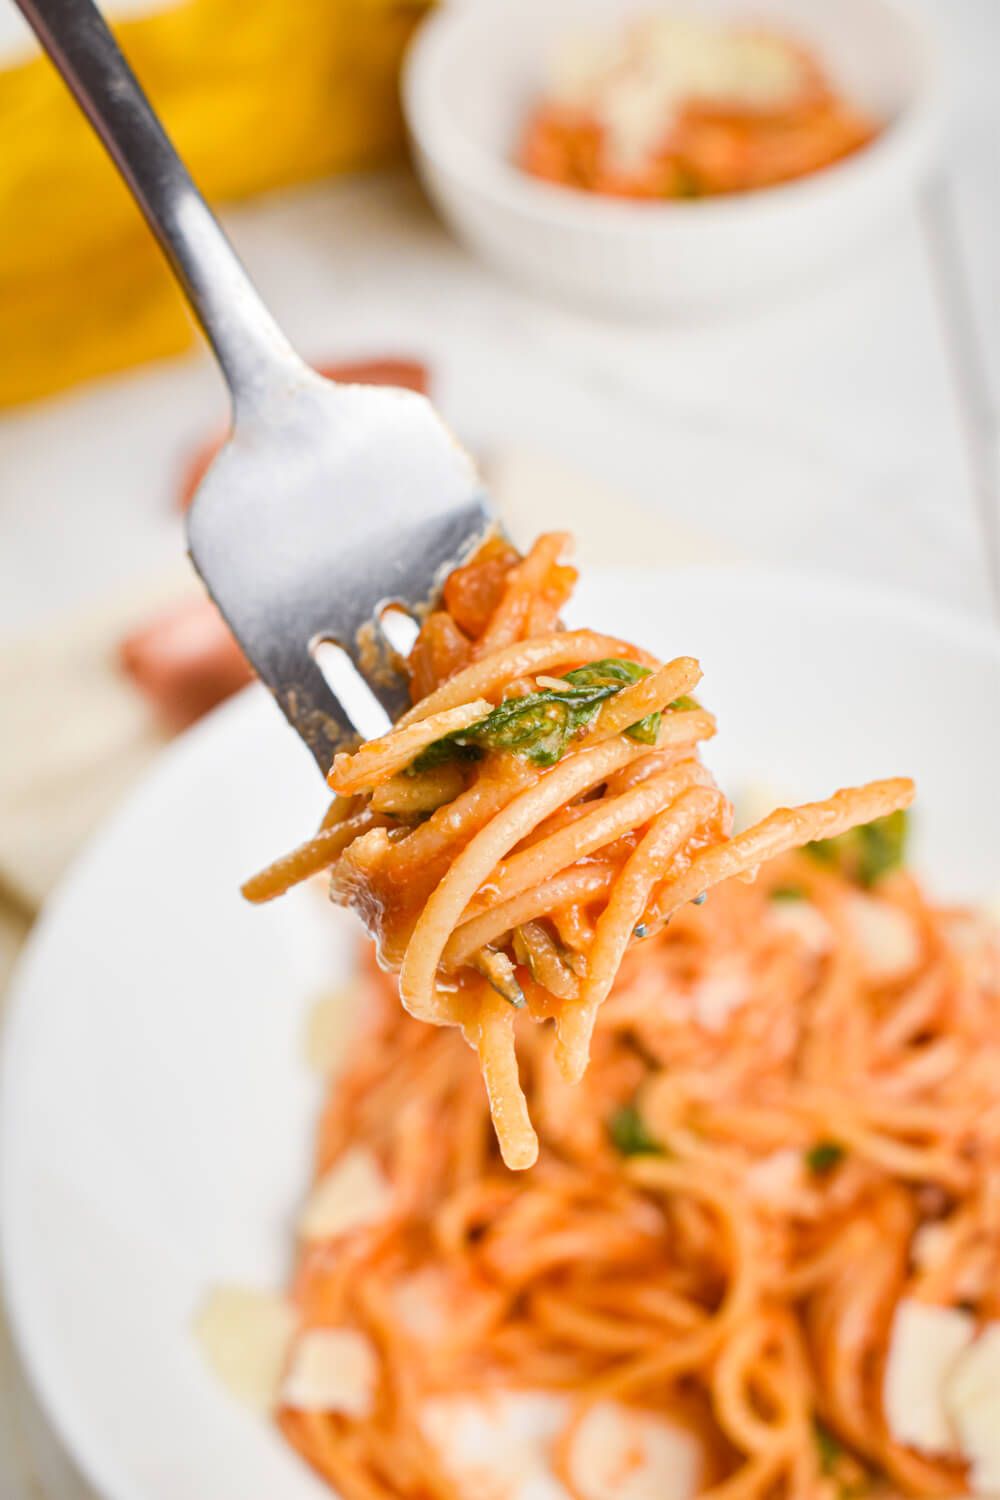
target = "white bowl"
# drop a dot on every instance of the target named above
(475, 69)
(156, 1114)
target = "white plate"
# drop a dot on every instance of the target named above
(156, 1114)
(475, 70)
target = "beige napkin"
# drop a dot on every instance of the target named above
(80, 735)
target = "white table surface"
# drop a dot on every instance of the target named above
(853, 427)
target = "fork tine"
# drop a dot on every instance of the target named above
(314, 710)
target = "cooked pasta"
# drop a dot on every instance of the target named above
(539, 811)
(667, 107)
(788, 1137)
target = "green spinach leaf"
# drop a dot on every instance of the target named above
(539, 726)
(866, 853)
(823, 1157)
(629, 1135)
(787, 893)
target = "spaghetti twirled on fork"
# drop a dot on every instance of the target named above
(539, 809)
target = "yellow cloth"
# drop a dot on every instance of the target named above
(254, 95)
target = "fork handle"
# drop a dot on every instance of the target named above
(249, 346)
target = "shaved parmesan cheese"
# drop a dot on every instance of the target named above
(931, 1244)
(329, 1027)
(497, 1445)
(583, 59)
(636, 116)
(244, 1336)
(800, 919)
(439, 1307)
(635, 80)
(887, 938)
(705, 61)
(354, 1193)
(422, 1304)
(619, 1453)
(724, 989)
(755, 801)
(924, 1348)
(972, 1399)
(776, 1181)
(332, 1369)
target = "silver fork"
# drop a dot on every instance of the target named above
(328, 503)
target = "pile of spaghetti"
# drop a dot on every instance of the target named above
(790, 1129)
(668, 107)
(539, 810)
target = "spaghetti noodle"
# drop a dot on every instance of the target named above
(792, 1089)
(538, 811)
